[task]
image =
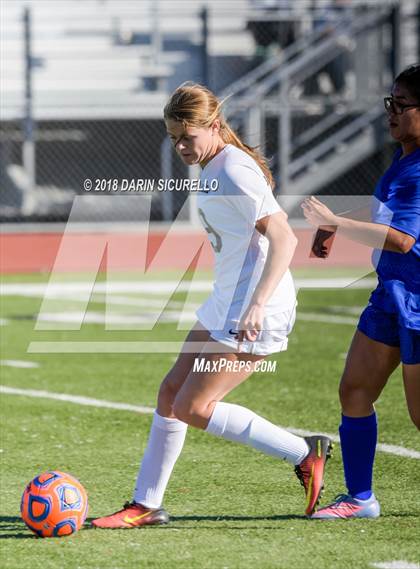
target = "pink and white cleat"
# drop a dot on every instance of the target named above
(346, 507)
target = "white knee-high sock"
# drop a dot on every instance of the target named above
(241, 425)
(166, 440)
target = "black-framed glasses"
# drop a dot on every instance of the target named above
(393, 106)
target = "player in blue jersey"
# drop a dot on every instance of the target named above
(389, 328)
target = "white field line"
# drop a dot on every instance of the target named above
(107, 287)
(355, 282)
(395, 565)
(328, 318)
(18, 363)
(79, 400)
(91, 317)
(390, 449)
(341, 309)
(111, 317)
(143, 302)
(159, 287)
(109, 347)
(4, 321)
(110, 299)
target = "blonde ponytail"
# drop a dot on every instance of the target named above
(195, 105)
(230, 137)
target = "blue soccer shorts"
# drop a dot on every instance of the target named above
(385, 327)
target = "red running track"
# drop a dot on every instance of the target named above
(36, 252)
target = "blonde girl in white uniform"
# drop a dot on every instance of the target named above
(247, 317)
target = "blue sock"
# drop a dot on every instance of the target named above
(358, 437)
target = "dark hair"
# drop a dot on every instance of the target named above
(410, 78)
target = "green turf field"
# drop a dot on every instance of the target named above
(231, 506)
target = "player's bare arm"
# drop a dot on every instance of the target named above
(283, 243)
(374, 235)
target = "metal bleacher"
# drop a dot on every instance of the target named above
(101, 72)
(108, 58)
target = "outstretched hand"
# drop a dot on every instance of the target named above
(318, 214)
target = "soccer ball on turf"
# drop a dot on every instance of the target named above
(54, 504)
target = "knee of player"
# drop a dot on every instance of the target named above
(351, 393)
(185, 410)
(347, 391)
(189, 412)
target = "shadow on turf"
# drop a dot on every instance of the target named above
(235, 518)
(14, 524)
(174, 519)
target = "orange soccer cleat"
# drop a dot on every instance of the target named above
(132, 515)
(311, 470)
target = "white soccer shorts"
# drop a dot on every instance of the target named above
(270, 340)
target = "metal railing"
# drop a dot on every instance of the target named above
(270, 92)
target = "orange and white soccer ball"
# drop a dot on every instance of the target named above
(54, 504)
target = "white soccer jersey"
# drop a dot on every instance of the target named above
(229, 215)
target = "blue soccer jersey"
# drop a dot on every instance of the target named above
(397, 205)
